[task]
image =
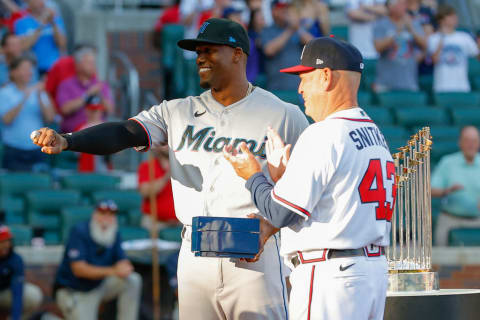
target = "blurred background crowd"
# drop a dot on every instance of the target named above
(72, 64)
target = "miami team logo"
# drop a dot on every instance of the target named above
(204, 26)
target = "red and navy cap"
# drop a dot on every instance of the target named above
(5, 233)
(327, 52)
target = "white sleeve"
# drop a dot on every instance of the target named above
(306, 175)
(155, 122)
(470, 45)
(432, 43)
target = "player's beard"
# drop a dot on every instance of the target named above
(104, 237)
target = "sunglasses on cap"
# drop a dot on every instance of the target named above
(105, 206)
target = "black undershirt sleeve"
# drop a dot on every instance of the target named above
(108, 138)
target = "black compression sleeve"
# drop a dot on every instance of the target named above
(109, 137)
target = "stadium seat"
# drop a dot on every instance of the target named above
(191, 79)
(17, 184)
(364, 98)
(368, 75)
(290, 96)
(13, 208)
(466, 116)
(22, 235)
(404, 99)
(425, 83)
(442, 132)
(421, 116)
(134, 217)
(171, 34)
(454, 100)
(473, 67)
(441, 148)
(71, 216)
(171, 234)
(65, 160)
(90, 183)
(132, 233)
(464, 237)
(340, 32)
(382, 116)
(127, 201)
(395, 136)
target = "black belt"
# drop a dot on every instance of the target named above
(335, 253)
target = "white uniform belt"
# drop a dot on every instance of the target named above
(303, 257)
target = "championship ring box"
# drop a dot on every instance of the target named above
(225, 237)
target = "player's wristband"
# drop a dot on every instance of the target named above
(68, 137)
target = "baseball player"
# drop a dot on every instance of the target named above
(336, 195)
(203, 182)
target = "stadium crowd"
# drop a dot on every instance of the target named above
(43, 84)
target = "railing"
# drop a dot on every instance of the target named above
(125, 83)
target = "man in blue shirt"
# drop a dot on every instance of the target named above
(43, 32)
(457, 180)
(95, 269)
(15, 294)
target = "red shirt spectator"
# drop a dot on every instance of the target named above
(165, 207)
(62, 69)
(170, 15)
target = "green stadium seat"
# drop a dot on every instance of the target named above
(454, 100)
(70, 216)
(171, 34)
(171, 234)
(464, 237)
(395, 143)
(473, 67)
(290, 96)
(382, 116)
(126, 199)
(426, 83)
(52, 237)
(441, 132)
(90, 183)
(134, 217)
(466, 116)
(340, 32)
(132, 233)
(191, 79)
(65, 160)
(421, 116)
(394, 132)
(22, 235)
(364, 98)
(403, 99)
(17, 184)
(475, 82)
(441, 148)
(13, 207)
(368, 74)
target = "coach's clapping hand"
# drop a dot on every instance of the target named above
(277, 154)
(244, 164)
(50, 141)
(266, 231)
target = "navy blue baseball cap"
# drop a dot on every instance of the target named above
(328, 52)
(219, 31)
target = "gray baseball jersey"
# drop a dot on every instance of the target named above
(204, 183)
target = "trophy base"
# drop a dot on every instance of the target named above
(412, 281)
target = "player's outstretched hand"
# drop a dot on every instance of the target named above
(244, 164)
(50, 141)
(266, 231)
(277, 154)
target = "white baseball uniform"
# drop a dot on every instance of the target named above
(340, 179)
(204, 183)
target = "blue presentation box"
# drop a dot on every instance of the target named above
(225, 237)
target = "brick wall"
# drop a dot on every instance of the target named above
(138, 47)
(458, 277)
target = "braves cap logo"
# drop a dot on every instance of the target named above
(204, 26)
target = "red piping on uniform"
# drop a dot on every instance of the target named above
(311, 293)
(322, 258)
(305, 212)
(351, 119)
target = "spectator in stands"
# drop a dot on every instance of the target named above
(255, 59)
(20, 297)
(362, 15)
(161, 188)
(282, 43)
(233, 14)
(12, 49)
(11, 11)
(170, 15)
(43, 31)
(314, 16)
(24, 107)
(399, 41)
(74, 93)
(95, 269)
(457, 179)
(450, 50)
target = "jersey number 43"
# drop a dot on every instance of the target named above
(374, 173)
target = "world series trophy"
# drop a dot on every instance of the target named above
(410, 253)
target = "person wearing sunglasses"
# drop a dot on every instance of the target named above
(95, 269)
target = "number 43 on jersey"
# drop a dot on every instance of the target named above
(368, 194)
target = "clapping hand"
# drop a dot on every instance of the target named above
(277, 154)
(244, 164)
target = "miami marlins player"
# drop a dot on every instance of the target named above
(196, 130)
(336, 195)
